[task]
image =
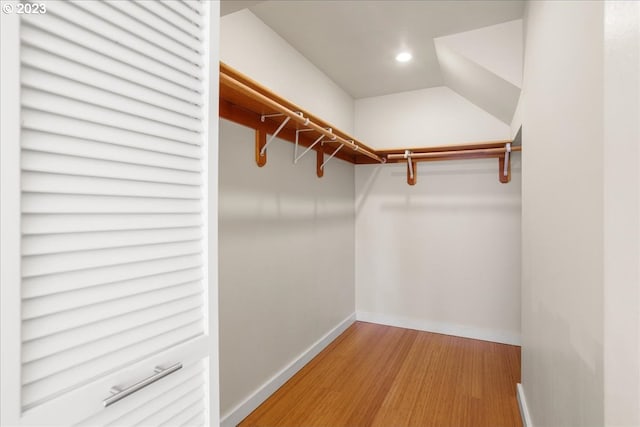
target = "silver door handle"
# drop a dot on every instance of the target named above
(119, 394)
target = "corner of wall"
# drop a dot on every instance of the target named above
(516, 121)
(250, 46)
(524, 409)
(241, 411)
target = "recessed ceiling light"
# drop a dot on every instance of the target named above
(404, 57)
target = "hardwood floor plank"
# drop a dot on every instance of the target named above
(398, 406)
(374, 375)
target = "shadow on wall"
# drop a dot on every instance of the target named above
(363, 194)
(430, 204)
(282, 209)
(559, 371)
(470, 185)
(452, 171)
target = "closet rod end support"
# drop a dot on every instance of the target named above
(261, 142)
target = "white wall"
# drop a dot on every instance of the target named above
(622, 213)
(286, 237)
(251, 47)
(562, 214)
(516, 123)
(422, 118)
(412, 240)
(286, 259)
(443, 255)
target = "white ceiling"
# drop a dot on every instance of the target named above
(355, 42)
(230, 6)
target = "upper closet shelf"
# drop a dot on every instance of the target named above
(247, 102)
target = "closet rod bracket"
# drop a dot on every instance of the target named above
(265, 116)
(319, 162)
(507, 152)
(261, 141)
(411, 168)
(504, 164)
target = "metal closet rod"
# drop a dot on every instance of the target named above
(230, 81)
(456, 153)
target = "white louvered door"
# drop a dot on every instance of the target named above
(113, 199)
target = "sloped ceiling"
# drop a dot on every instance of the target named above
(498, 48)
(355, 42)
(485, 66)
(472, 47)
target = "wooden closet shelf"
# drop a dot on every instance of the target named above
(247, 102)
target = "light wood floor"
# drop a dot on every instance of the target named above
(375, 375)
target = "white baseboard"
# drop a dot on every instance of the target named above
(524, 409)
(240, 412)
(440, 328)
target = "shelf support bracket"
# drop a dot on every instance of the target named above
(331, 156)
(319, 162)
(261, 141)
(411, 168)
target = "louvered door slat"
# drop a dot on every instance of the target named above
(96, 23)
(34, 161)
(77, 149)
(62, 86)
(58, 322)
(50, 103)
(195, 5)
(66, 126)
(185, 414)
(146, 33)
(38, 265)
(58, 342)
(36, 182)
(67, 281)
(71, 242)
(56, 302)
(113, 238)
(68, 50)
(42, 203)
(74, 223)
(163, 24)
(170, 17)
(145, 414)
(175, 407)
(184, 11)
(59, 26)
(44, 367)
(196, 421)
(59, 65)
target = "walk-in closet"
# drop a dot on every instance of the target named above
(320, 213)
